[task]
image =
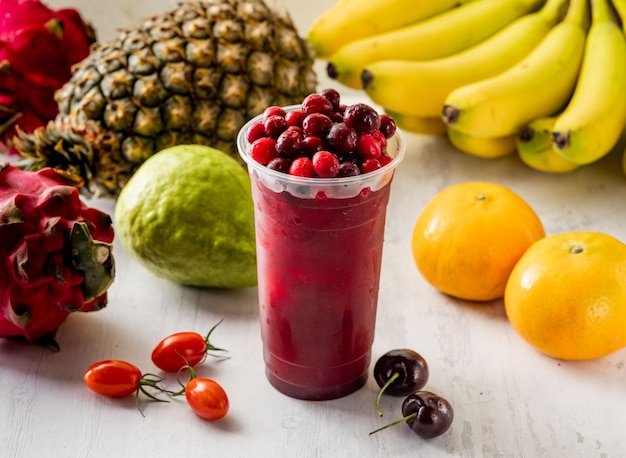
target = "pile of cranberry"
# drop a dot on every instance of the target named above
(323, 138)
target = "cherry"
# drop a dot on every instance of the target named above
(263, 150)
(427, 414)
(289, 144)
(400, 372)
(312, 144)
(275, 125)
(387, 125)
(341, 137)
(280, 164)
(333, 97)
(348, 169)
(362, 118)
(316, 124)
(325, 164)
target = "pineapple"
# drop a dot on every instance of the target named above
(193, 75)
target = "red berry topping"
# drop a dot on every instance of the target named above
(325, 164)
(316, 103)
(362, 118)
(289, 144)
(302, 167)
(312, 144)
(384, 160)
(273, 111)
(333, 97)
(294, 118)
(263, 150)
(275, 125)
(380, 137)
(256, 131)
(348, 169)
(316, 124)
(280, 164)
(368, 146)
(341, 138)
(387, 125)
(369, 165)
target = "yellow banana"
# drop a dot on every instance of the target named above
(485, 147)
(620, 6)
(593, 121)
(418, 125)
(534, 148)
(438, 36)
(420, 87)
(539, 85)
(348, 21)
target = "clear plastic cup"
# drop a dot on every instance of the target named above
(319, 251)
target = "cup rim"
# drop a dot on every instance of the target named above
(242, 144)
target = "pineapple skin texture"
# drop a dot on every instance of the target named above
(193, 75)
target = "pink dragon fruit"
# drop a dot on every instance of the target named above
(55, 253)
(38, 47)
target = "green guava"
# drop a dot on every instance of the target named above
(187, 215)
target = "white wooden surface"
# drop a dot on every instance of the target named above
(509, 400)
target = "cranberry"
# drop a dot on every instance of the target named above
(362, 118)
(380, 138)
(387, 125)
(316, 124)
(272, 111)
(316, 103)
(384, 160)
(275, 125)
(294, 118)
(348, 169)
(289, 144)
(369, 165)
(302, 167)
(280, 164)
(368, 146)
(256, 131)
(263, 150)
(325, 164)
(312, 144)
(333, 96)
(341, 137)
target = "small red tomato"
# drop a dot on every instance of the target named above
(178, 350)
(183, 349)
(113, 378)
(206, 398)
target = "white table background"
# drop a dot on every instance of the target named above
(509, 400)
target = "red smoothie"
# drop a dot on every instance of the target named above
(319, 267)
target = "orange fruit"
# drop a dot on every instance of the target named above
(567, 295)
(468, 238)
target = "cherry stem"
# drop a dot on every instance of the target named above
(401, 420)
(382, 390)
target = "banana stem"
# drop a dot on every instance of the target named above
(577, 12)
(600, 11)
(554, 8)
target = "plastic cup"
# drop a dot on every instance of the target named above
(319, 250)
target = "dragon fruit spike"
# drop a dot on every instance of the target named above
(38, 47)
(55, 256)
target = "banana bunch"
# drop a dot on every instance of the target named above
(543, 78)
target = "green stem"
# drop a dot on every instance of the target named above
(382, 390)
(401, 420)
